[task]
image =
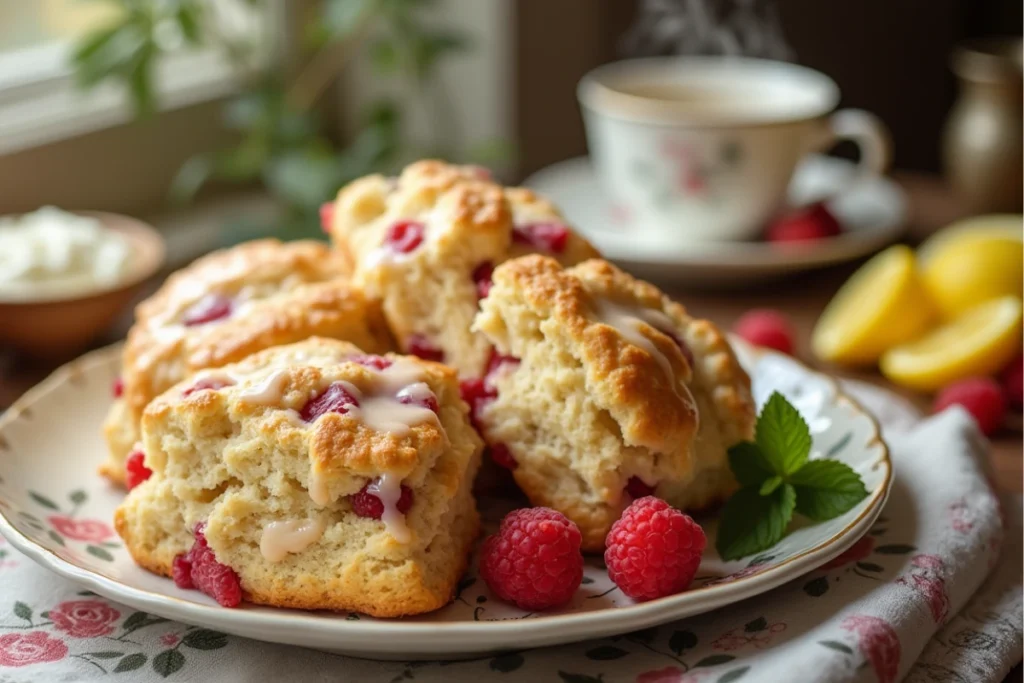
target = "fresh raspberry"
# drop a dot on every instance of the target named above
(336, 399)
(482, 277)
(366, 504)
(981, 396)
(421, 347)
(405, 236)
(375, 362)
(812, 222)
(208, 383)
(503, 457)
(136, 471)
(211, 307)
(326, 216)
(653, 550)
(550, 237)
(117, 388)
(765, 327)
(205, 573)
(1012, 379)
(181, 571)
(534, 560)
(638, 488)
(409, 396)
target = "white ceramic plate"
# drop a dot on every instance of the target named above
(57, 511)
(872, 211)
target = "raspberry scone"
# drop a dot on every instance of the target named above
(594, 394)
(226, 306)
(426, 242)
(310, 476)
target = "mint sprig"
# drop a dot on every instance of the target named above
(776, 479)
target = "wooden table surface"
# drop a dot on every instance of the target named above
(802, 298)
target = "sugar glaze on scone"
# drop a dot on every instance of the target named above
(226, 306)
(597, 398)
(426, 242)
(281, 455)
(719, 384)
(605, 390)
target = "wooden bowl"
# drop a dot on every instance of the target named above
(49, 327)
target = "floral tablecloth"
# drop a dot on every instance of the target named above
(923, 597)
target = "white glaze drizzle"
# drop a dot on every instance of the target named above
(212, 376)
(388, 488)
(380, 409)
(385, 414)
(293, 536)
(318, 491)
(269, 391)
(627, 320)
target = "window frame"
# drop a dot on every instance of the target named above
(41, 102)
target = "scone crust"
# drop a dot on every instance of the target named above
(622, 409)
(719, 384)
(728, 413)
(289, 292)
(315, 299)
(469, 223)
(237, 462)
(651, 408)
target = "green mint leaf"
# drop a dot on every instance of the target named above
(751, 522)
(770, 485)
(826, 489)
(782, 435)
(748, 465)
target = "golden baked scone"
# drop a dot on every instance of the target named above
(226, 306)
(600, 389)
(425, 243)
(280, 455)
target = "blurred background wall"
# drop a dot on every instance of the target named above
(515, 83)
(890, 57)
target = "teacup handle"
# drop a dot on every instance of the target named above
(868, 132)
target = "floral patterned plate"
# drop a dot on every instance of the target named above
(55, 509)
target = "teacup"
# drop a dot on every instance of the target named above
(702, 149)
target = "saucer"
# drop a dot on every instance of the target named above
(872, 211)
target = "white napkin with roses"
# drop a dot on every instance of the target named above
(923, 597)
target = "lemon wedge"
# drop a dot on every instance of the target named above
(882, 305)
(973, 261)
(979, 342)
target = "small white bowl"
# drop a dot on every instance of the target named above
(48, 326)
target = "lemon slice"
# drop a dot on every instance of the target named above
(883, 304)
(995, 225)
(979, 342)
(973, 261)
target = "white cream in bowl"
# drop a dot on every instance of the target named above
(51, 253)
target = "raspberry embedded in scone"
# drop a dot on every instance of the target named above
(425, 243)
(226, 306)
(319, 476)
(594, 394)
